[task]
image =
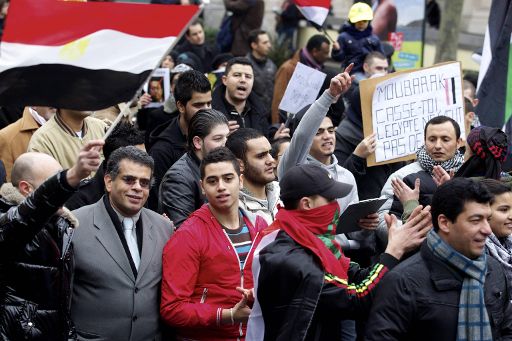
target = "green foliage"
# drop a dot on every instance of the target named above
(279, 52)
(210, 35)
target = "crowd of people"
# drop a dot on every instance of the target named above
(218, 216)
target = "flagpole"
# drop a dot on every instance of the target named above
(125, 112)
(327, 35)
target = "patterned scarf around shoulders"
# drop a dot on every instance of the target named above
(473, 321)
(427, 163)
(502, 252)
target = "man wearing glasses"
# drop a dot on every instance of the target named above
(118, 255)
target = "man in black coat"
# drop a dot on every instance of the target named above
(236, 100)
(194, 47)
(168, 141)
(450, 290)
(304, 284)
(35, 246)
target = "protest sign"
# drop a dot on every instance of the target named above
(302, 89)
(397, 107)
(158, 87)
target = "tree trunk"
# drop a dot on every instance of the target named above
(448, 38)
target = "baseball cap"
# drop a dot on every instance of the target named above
(308, 180)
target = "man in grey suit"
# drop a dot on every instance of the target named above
(118, 255)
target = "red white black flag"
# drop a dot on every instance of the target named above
(315, 11)
(83, 55)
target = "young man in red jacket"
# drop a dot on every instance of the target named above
(209, 257)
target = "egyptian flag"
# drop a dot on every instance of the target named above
(315, 11)
(494, 89)
(84, 55)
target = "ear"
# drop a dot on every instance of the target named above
(24, 188)
(241, 165)
(461, 142)
(366, 67)
(108, 182)
(224, 79)
(181, 107)
(253, 45)
(241, 181)
(444, 224)
(471, 116)
(304, 204)
(202, 187)
(198, 143)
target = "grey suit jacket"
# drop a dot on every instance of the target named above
(108, 302)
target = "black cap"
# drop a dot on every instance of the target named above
(220, 59)
(308, 180)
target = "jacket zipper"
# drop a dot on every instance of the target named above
(241, 268)
(203, 297)
(316, 304)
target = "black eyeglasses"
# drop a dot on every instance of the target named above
(131, 180)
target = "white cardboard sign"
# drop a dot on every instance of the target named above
(402, 105)
(302, 89)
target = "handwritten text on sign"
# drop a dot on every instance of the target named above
(302, 89)
(402, 106)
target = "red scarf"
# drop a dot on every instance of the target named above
(305, 227)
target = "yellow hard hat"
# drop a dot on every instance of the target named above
(359, 12)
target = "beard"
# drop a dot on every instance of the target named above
(256, 176)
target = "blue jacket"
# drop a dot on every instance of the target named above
(355, 45)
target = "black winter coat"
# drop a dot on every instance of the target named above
(419, 300)
(180, 190)
(168, 144)
(298, 304)
(89, 191)
(36, 265)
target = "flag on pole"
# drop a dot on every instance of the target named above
(494, 89)
(315, 11)
(84, 55)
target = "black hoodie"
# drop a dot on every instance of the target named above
(168, 144)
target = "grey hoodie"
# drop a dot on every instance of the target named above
(298, 153)
(267, 209)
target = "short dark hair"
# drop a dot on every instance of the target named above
(496, 187)
(290, 204)
(220, 154)
(237, 60)
(449, 198)
(254, 36)
(202, 124)
(188, 83)
(468, 85)
(277, 144)
(124, 134)
(374, 55)
(195, 22)
(440, 120)
(316, 41)
(130, 153)
(237, 141)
